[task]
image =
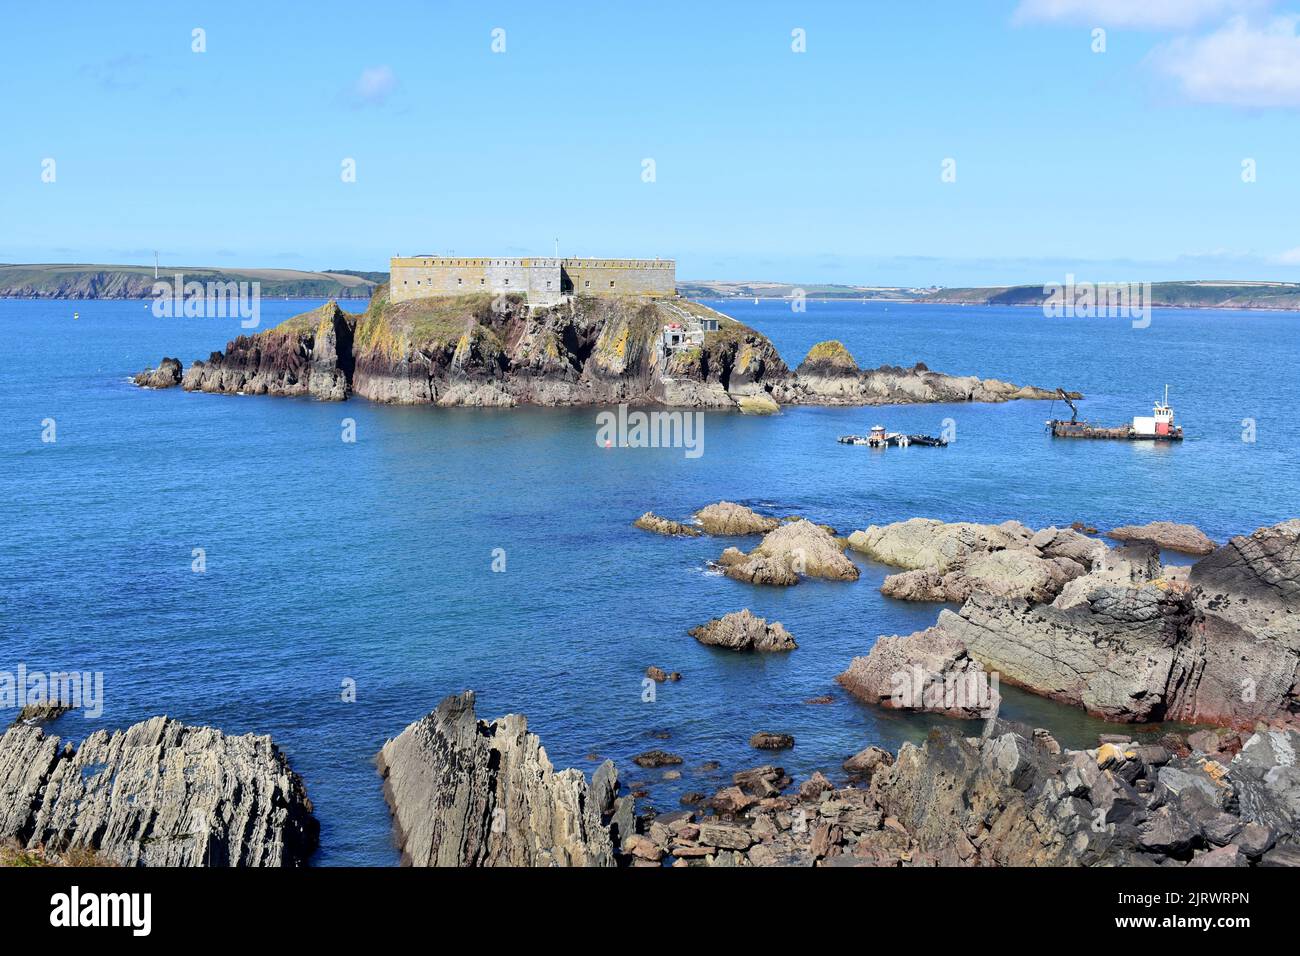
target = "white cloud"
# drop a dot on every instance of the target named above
(1289, 258)
(375, 84)
(1163, 15)
(1241, 64)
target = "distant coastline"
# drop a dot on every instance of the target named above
(1191, 294)
(93, 281)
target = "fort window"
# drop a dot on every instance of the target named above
(611, 283)
(586, 282)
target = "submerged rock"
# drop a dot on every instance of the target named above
(729, 518)
(1184, 538)
(656, 758)
(653, 523)
(465, 792)
(167, 374)
(159, 793)
(744, 631)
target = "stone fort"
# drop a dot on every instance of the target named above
(543, 281)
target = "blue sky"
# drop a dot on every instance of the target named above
(821, 166)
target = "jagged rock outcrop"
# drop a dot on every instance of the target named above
(1184, 538)
(494, 350)
(465, 792)
(1012, 798)
(653, 523)
(744, 631)
(309, 355)
(159, 793)
(1134, 641)
(167, 374)
(728, 518)
(928, 671)
(796, 549)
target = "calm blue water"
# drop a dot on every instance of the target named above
(372, 561)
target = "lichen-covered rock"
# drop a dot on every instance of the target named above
(653, 523)
(167, 374)
(794, 550)
(928, 543)
(465, 792)
(1184, 538)
(744, 631)
(1019, 573)
(729, 518)
(159, 793)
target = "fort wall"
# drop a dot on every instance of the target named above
(544, 280)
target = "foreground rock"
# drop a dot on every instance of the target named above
(657, 525)
(796, 549)
(464, 792)
(1133, 641)
(159, 793)
(744, 631)
(1183, 538)
(167, 374)
(1016, 798)
(729, 518)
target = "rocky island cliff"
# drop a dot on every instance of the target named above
(495, 351)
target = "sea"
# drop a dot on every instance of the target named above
(234, 561)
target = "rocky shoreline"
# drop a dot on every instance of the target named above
(484, 351)
(1059, 613)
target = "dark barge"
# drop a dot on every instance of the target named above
(1158, 426)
